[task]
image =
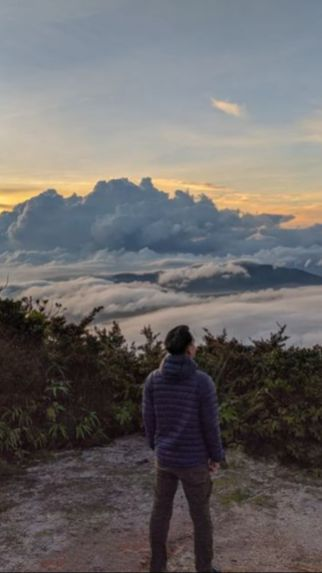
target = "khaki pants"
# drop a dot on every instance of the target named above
(197, 487)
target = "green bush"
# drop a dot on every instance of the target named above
(66, 384)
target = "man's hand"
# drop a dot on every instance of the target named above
(213, 466)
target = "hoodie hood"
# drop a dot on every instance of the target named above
(177, 366)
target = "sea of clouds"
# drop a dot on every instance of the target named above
(66, 249)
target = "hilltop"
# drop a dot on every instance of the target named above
(89, 511)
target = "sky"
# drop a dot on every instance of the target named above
(216, 96)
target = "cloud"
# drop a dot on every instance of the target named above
(21, 266)
(120, 215)
(79, 284)
(183, 276)
(312, 127)
(59, 262)
(245, 316)
(228, 107)
(79, 295)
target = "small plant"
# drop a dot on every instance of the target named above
(87, 425)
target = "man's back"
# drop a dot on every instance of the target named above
(180, 414)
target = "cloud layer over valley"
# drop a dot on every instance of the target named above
(68, 250)
(245, 316)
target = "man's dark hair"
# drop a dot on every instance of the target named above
(178, 339)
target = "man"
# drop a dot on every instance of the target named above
(180, 415)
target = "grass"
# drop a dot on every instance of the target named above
(6, 506)
(9, 469)
(238, 495)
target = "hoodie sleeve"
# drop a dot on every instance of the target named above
(148, 411)
(209, 417)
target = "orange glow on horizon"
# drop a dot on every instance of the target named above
(307, 210)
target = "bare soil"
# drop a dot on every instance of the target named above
(89, 511)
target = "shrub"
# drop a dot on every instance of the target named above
(66, 384)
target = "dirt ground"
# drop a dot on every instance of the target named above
(89, 511)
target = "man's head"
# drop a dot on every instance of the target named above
(179, 340)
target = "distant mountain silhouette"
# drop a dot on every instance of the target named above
(257, 277)
(131, 277)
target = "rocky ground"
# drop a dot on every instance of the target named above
(89, 511)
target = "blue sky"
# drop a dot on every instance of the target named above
(128, 88)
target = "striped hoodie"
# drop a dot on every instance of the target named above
(180, 414)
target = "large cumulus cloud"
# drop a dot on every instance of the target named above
(120, 215)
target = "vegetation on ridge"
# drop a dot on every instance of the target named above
(66, 384)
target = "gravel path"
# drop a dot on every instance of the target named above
(89, 511)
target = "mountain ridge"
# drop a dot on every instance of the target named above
(256, 277)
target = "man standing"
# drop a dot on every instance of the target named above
(180, 414)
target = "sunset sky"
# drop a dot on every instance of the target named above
(216, 96)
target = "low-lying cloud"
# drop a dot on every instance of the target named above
(183, 276)
(80, 295)
(245, 316)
